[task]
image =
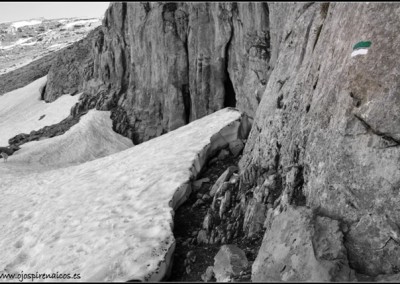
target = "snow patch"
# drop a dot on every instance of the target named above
(26, 23)
(81, 22)
(110, 219)
(21, 41)
(100, 140)
(20, 110)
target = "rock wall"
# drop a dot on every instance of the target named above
(326, 126)
(159, 66)
(326, 133)
(71, 68)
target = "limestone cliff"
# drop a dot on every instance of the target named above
(158, 66)
(326, 126)
(326, 134)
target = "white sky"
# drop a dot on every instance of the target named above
(17, 11)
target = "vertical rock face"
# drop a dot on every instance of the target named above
(328, 124)
(70, 69)
(160, 66)
(301, 247)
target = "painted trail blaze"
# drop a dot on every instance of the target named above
(361, 48)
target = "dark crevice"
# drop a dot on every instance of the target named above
(187, 99)
(317, 36)
(356, 101)
(324, 9)
(303, 51)
(385, 136)
(43, 92)
(146, 7)
(304, 9)
(287, 35)
(230, 95)
(281, 83)
(187, 102)
(279, 103)
(315, 84)
(124, 79)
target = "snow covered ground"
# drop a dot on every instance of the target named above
(21, 110)
(99, 140)
(108, 219)
(81, 22)
(26, 23)
(21, 41)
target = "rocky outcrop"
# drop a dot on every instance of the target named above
(71, 68)
(229, 262)
(299, 246)
(23, 76)
(159, 66)
(327, 129)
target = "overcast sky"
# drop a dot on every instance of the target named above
(16, 11)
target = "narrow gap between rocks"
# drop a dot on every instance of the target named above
(188, 222)
(230, 95)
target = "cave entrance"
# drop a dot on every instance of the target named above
(230, 95)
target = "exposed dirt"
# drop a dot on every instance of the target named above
(188, 221)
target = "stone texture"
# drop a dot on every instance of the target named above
(208, 56)
(198, 183)
(236, 147)
(23, 76)
(229, 262)
(208, 275)
(299, 246)
(335, 118)
(223, 178)
(71, 68)
(202, 237)
(254, 217)
(388, 278)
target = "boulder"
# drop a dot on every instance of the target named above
(202, 237)
(230, 261)
(223, 154)
(302, 247)
(254, 217)
(208, 275)
(236, 147)
(198, 183)
(223, 178)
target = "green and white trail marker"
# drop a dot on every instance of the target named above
(361, 48)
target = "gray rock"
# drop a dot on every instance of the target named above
(225, 203)
(223, 178)
(215, 54)
(229, 262)
(202, 237)
(301, 247)
(206, 197)
(336, 118)
(223, 154)
(198, 203)
(198, 183)
(388, 278)
(208, 275)
(188, 270)
(208, 221)
(236, 147)
(254, 217)
(374, 245)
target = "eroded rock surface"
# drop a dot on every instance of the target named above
(229, 261)
(327, 128)
(158, 66)
(299, 246)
